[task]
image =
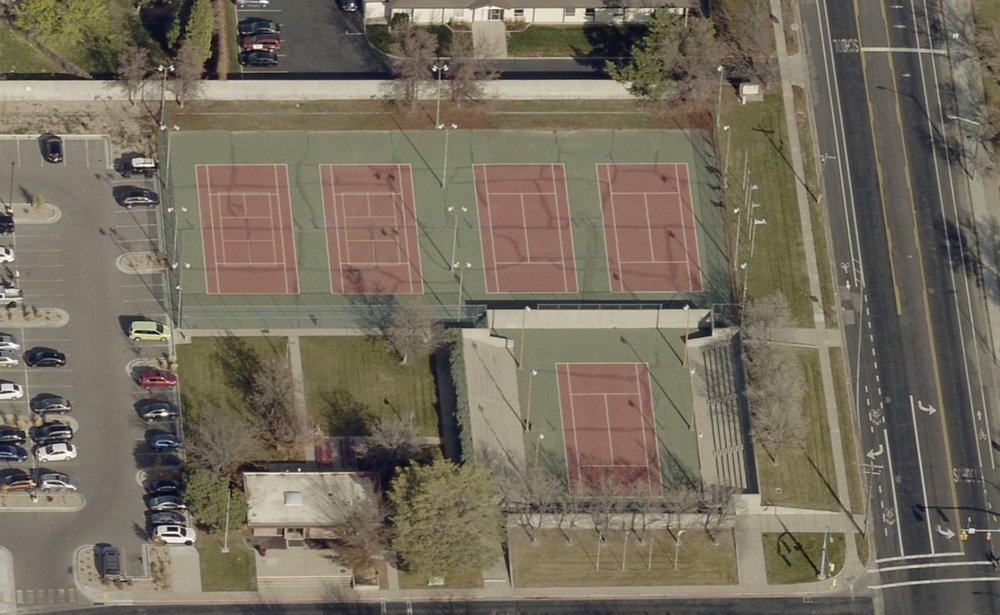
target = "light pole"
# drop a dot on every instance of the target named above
(439, 70)
(229, 501)
(725, 162)
(447, 132)
(822, 562)
(538, 446)
(164, 70)
(677, 548)
(520, 352)
(166, 169)
(531, 383)
(975, 157)
(691, 423)
(454, 235)
(461, 280)
(625, 551)
(753, 232)
(180, 297)
(687, 328)
(10, 196)
(718, 106)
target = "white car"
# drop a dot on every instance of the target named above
(6, 255)
(174, 534)
(60, 451)
(9, 390)
(8, 342)
(9, 358)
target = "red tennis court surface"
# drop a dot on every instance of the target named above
(607, 413)
(371, 229)
(248, 242)
(649, 228)
(524, 226)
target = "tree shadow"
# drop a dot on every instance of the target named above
(613, 41)
(240, 363)
(345, 414)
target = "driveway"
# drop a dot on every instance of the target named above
(318, 39)
(70, 264)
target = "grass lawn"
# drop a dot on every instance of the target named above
(574, 41)
(210, 369)
(464, 579)
(796, 558)
(380, 37)
(759, 144)
(861, 544)
(848, 437)
(550, 562)
(349, 380)
(20, 58)
(803, 478)
(222, 572)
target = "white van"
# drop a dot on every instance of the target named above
(253, 4)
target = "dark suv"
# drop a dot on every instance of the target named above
(259, 58)
(109, 561)
(132, 196)
(52, 432)
(6, 224)
(52, 147)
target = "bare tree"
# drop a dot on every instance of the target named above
(700, 57)
(391, 442)
(605, 500)
(414, 49)
(764, 317)
(413, 330)
(189, 68)
(361, 530)
(747, 26)
(467, 72)
(221, 441)
(529, 493)
(680, 500)
(272, 398)
(133, 68)
(717, 506)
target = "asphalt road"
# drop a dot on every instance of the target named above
(916, 330)
(71, 265)
(747, 606)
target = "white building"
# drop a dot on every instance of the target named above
(548, 12)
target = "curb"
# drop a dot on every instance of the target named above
(120, 264)
(62, 319)
(55, 214)
(81, 503)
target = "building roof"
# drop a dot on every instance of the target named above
(302, 499)
(543, 4)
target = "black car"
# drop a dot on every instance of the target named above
(163, 486)
(9, 452)
(53, 404)
(52, 147)
(156, 410)
(167, 517)
(257, 25)
(259, 58)
(132, 196)
(12, 435)
(52, 432)
(6, 224)
(45, 357)
(109, 561)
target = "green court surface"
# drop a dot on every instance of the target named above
(444, 236)
(669, 383)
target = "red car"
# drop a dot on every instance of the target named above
(156, 378)
(257, 42)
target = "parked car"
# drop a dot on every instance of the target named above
(9, 358)
(252, 4)
(167, 517)
(12, 435)
(174, 534)
(349, 6)
(258, 25)
(139, 165)
(55, 481)
(164, 443)
(148, 330)
(133, 195)
(165, 502)
(45, 357)
(52, 404)
(59, 451)
(6, 224)
(10, 390)
(267, 42)
(109, 561)
(9, 342)
(9, 452)
(155, 410)
(52, 147)
(6, 254)
(163, 486)
(18, 481)
(157, 378)
(259, 58)
(52, 432)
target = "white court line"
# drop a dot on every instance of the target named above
(895, 501)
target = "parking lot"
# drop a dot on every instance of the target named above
(71, 264)
(318, 38)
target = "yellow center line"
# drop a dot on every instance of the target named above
(916, 238)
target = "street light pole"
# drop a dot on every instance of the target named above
(447, 132)
(975, 156)
(164, 70)
(677, 548)
(822, 564)
(454, 235)
(461, 280)
(520, 352)
(439, 70)
(718, 106)
(531, 383)
(229, 501)
(538, 446)
(687, 334)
